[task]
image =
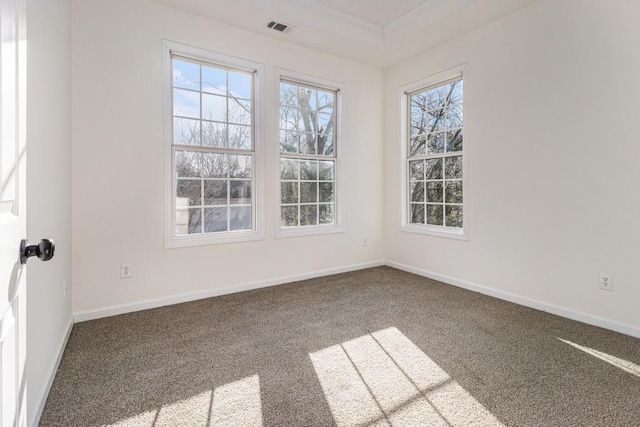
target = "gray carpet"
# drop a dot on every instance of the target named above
(373, 347)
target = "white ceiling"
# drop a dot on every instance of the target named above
(374, 12)
(380, 33)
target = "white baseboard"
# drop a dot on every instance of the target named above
(53, 369)
(527, 302)
(83, 316)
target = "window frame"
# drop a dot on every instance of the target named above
(338, 158)
(404, 93)
(171, 240)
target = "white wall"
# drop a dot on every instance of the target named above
(48, 189)
(551, 106)
(118, 160)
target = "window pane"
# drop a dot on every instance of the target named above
(434, 192)
(309, 215)
(186, 103)
(453, 167)
(418, 103)
(454, 216)
(326, 192)
(325, 144)
(416, 170)
(239, 85)
(289, 216)
(289, 169)
(215, 192)
(240, 218)
(214, 165)
(453, 192)
(188, 192)
(433, 168)
(308, 143)
(214, 134)
(435, 143)
(240, 137)
(309, 170)
(326, 214)
(418, 124)
(239, 166)
(416, 214)
(240, 192)
(186, 131)
(289, 192)
(188, 164)
(435, 215)
(214, 107)
(289, 117)
(418, 144)
(436, 97)
(215, 220)
(417, 191)
(205, 100)
(186, 75)
(325, 123)
(214, 80)
(434, 127)
(326, 171)
(454, 140)
(326, 101)
(456, 92)
(288, 141)
(307, 126)
(288, 94)
(435, 121)
(239, 111)
(454, 116)
(308, 192)
(188, 221)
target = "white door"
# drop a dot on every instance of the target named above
(12, 213)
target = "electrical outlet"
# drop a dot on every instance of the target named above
(125, 271)
(606, 282)
(365, 241)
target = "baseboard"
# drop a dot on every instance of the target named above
(83, 316)
(527, 302)
(53, 369)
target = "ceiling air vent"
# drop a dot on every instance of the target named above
(279, 26)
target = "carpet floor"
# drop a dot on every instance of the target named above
(374, 347)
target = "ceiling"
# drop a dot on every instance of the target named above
(380, 33)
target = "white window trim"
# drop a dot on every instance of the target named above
(171, 240)
(340, 181)
(431, 230)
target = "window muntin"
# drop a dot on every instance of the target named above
(308, 160)
(212, 148)
(435, 158)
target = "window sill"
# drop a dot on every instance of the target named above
(205, 239)
(435, 231)
(308, 231)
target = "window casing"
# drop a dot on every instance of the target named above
(433, 157)
(212, 139)
(309, 177)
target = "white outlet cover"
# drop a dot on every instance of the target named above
(606, 282)
(125, 271)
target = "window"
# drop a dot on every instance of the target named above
(308, 148)
(433, 158)
(213, 155)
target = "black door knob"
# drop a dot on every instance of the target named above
(43, 250)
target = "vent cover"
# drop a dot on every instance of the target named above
(280, 27)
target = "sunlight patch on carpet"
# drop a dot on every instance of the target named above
(236, 404)
(384, 379)
(625, 365)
